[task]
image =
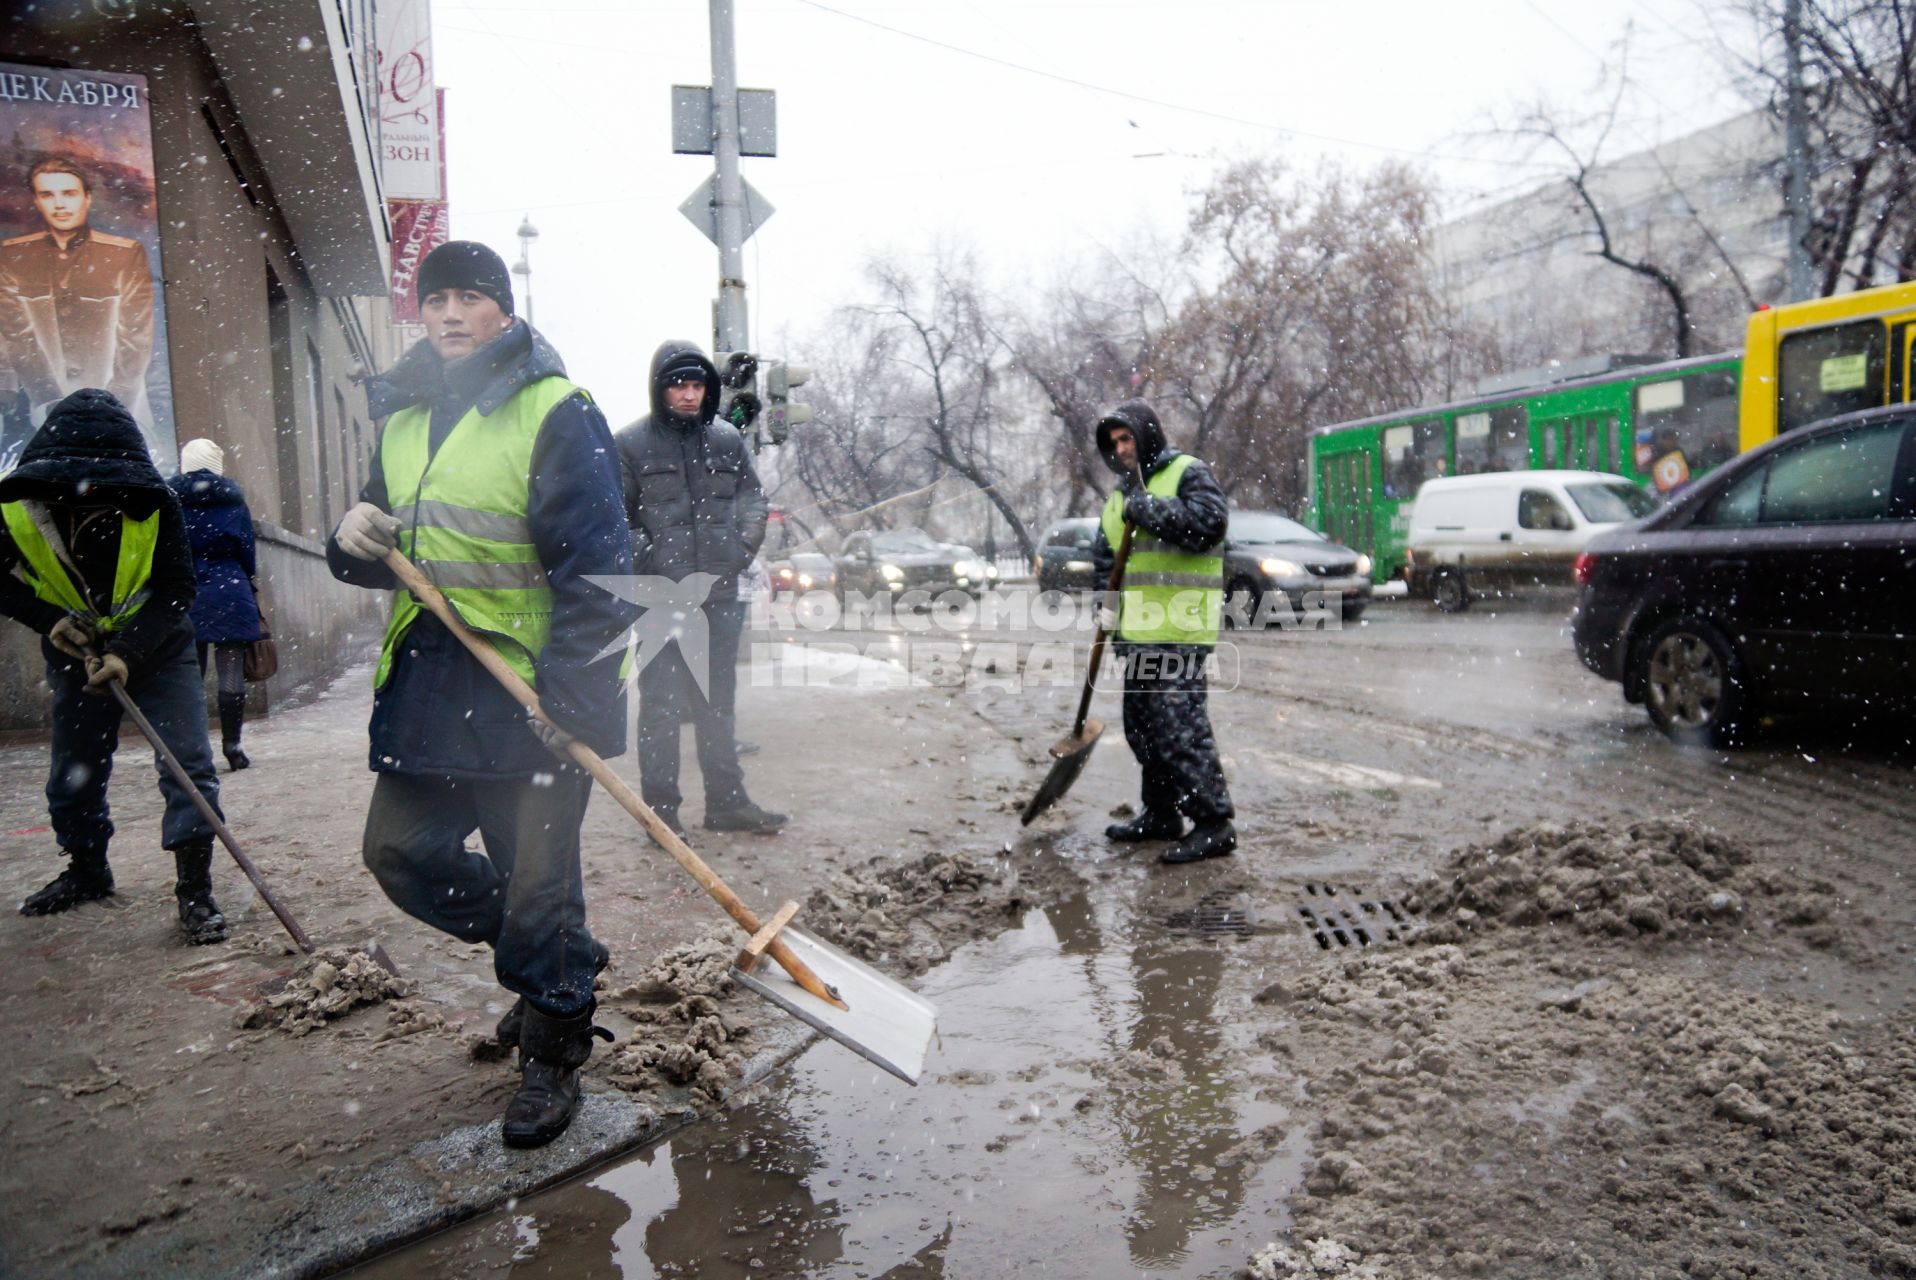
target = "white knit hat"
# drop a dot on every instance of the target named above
(202, 455)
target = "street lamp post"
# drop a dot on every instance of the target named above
(523, 268)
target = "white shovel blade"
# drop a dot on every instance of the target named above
(886, 1023)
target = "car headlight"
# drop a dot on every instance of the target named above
(1280, 568)
(891, 573)
(991, 571)
(1078, 566)
(963, 568)
(1363, 566)
(805, 580)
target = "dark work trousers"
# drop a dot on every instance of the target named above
(86, 728)
(1169, 729)
(669, 696)
(523, 896)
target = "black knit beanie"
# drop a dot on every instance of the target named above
(465, 264)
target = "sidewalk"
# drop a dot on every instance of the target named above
(146, 1134)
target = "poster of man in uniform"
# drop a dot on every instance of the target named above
(80, 304)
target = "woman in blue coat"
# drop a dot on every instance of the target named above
(226, 611)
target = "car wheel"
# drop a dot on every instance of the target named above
(1352, 612)
(1692, 682)
(1240, 600)
(1448, 590)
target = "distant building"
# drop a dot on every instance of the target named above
(261, 212)
(1706, 207)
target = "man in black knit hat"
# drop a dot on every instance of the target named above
(94, 557)
(497, 477)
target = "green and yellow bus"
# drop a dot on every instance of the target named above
(1657, 424)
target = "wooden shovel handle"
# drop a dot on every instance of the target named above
(589, 760)
(1098, 638)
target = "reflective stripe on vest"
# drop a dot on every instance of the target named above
(1169, 596)
(41, 569)
(462, 510)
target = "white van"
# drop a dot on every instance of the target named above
(1510, 530)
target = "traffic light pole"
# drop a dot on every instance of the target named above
(729, 330)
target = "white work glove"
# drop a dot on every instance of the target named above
(1107, 619)
(72, 637)
(552, 736)
(367, 533)
(103, 671)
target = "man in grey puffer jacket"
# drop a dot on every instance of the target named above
(695, 507)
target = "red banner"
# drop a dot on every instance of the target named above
(419, 227)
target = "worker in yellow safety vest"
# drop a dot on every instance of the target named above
(1169, 607)
(498, 478)
(94, 557)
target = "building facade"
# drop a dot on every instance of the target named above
(269, 248)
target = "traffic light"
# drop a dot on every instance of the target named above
(738, 390)
(781, 415)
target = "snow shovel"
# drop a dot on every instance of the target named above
(373, 950)
(844, 998)
(1070, 754)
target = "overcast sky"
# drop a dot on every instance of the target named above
(1002, 124)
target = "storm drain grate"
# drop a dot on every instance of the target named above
(1338, 917)
(1215, 915)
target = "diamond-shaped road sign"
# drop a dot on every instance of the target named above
(701, 208)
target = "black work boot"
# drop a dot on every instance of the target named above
(232, 719)
(551, 1051)
(669, 815)
(200, 919)
(1149, 825)
(507, 1032)
(1213, 839)
(745, 816)
(86, 879)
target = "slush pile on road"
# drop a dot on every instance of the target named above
(1531, 1099)
(325, 986)
(690, 1018)
(913, 916)
(1651, 878)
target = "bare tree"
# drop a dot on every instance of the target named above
(936, 327)
(1319, 306)
(1859, 72)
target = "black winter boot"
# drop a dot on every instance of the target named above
(551, 1051)
(1148, 825)
(232, 721)
(507, 1032)
(200, 920)
(1213, 839)
(669, 816)
(86, 878)
(745, 816)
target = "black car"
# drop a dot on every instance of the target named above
(901, 560)
(1265, 552)
(1785, 580)
(1063, 562)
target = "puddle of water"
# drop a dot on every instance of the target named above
(1015, 1155)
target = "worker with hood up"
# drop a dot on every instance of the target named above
(1170, 604)
(94, 557)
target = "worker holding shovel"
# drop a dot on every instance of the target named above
(498, 479)
(94, 557)
(1168, 614)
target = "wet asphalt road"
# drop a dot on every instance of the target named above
(1045, 1139)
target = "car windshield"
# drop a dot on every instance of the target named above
(1258, 526)
(903, 542)
(1610, 503)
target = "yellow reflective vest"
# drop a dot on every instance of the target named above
(462, 514)
(43, 571)
(1169, 595)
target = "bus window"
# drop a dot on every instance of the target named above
(1496, 440)
(1685, 424)
(1824, 372)
(1413, 453)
